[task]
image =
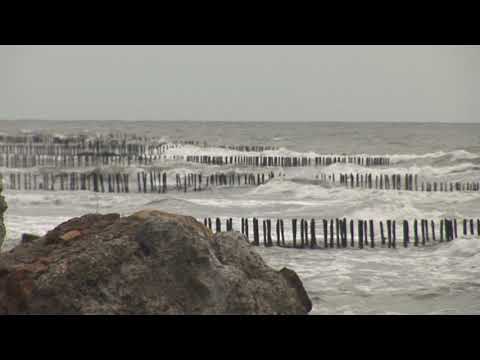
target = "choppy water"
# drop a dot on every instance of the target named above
(439, 279)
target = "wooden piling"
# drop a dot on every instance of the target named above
(325, 233)
(313, 240)
(406, 237)
(389, 233)
(294, 232)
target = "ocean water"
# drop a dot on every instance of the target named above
(439, 279)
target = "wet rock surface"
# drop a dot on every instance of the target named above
(151, 262)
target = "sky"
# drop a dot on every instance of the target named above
(241, 83)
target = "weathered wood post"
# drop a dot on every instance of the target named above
(365, 232)
(441, 230)
(301, 233)
(423, 232)
(331, 234)
(352, 239)
(406, 237)
(394, 234)
(283, 235)
(389, 233)
(433, 230)
(294, 232)
(360, 234)
(218, 225)
(337, 232)
(256, 238)
(372, 235)
(305, 225)
(278, 232)
(269, 232)
(313, 241)
(382, 233)
(325, 233)
(415, 232)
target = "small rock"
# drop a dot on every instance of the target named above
(26, 238)
(70, 235)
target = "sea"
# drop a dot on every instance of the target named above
(443, 278)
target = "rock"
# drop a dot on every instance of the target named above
(26, 238)
(70, 235)
(151, 262)
(3, 208)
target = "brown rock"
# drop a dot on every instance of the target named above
(148, 263)
(70, 235)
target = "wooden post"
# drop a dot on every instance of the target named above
(441, 230)
(278, 232)
(294, 232)
(256, 240)
(218, 225)
(423, 231)
(331, 233)
(372, 235)
(360, 234)
(352, 239)
(406, 237)
(305, 226)
(313, 240)
(394, 234)
(415, 232)
(325, 233)
(382, 234)
(283, 235)
(269, 229)
(433, 230)
(389, 233)
(337, 232)
(301, 233)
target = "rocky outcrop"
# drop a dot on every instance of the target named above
(3, 208)
(148, 263)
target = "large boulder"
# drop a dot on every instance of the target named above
(148, 263)
(3, 208)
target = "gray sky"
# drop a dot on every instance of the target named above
(235, 83)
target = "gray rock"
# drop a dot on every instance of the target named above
(148, 263)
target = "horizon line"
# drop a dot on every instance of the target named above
(250, 121)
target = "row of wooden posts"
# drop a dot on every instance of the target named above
(249, 148)
(335, 232)
(408, 182)
(288, 161)
(120, 145)
(96, 147)
(147, 181)
(195, 180)
(15, 161)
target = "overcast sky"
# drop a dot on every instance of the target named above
(238, 83)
